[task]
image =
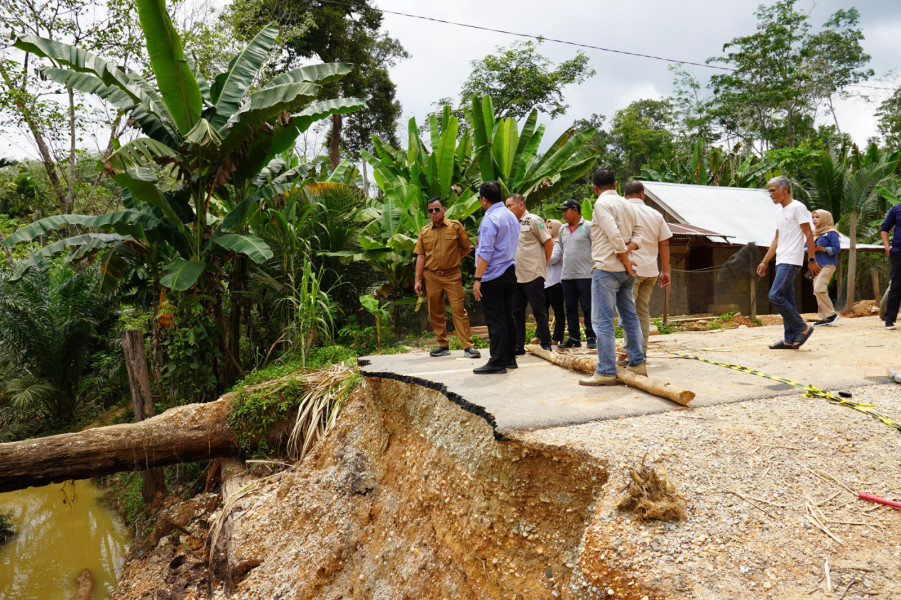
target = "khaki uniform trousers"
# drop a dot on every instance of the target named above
(641, 291)
(451, 284)
(821, 291)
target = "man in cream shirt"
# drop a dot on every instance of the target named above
(615, 232)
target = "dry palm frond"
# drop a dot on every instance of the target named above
(227, 509)
(651, 496)
(319, 408)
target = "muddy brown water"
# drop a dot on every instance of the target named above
(62, 529)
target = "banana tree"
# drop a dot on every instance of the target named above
(202, 171)
(510, 156)
(444, 168)
(209, 142)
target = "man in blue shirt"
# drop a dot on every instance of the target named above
(495, 277)
(892, 219)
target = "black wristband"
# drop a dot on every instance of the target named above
(477, 279)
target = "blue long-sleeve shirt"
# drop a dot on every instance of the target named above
(830, 242)
(498, 236)
(893, 219)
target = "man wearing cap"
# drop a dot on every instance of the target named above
(656, 234)
(533, 252)
(575, 242)
(441, 245)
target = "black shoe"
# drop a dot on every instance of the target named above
(820, 322)
(471, 352)
(592, 343)
(440, 351)
(520, 351)
(511, 364)
(546, 347)
(489, 369)
(570, 343)
(830, 320)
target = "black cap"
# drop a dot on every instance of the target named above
(570, 203)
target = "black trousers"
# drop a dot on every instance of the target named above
(894, 295)
(553, 296)
(497, 306)
(576, 292)
(532, 293)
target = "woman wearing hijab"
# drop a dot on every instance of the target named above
(553, 290)
(827, 250)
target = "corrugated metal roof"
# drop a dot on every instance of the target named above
(744, 214)
(679, 229)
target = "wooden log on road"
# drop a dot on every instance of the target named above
(588, 364)
(182, 434)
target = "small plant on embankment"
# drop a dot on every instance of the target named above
(7, 531)
(252, 413)
(316, 397)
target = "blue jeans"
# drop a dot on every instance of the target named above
(612, 291)
(782, 297)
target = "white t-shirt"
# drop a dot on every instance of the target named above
(790, 247)
(653, 231)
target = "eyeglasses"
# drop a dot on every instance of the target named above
(435, 210)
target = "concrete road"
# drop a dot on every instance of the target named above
(539, 394)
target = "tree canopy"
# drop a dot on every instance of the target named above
(519, 79)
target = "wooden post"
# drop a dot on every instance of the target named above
(141, 401)
(874, 274)
(752, 277)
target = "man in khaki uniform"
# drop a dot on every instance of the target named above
(440, 247)
(533, 251)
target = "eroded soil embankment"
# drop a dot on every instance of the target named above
(413, 497)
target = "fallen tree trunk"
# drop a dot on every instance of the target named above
(182, 434)
(588, 364)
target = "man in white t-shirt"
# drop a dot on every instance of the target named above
(793, 228)
(655, 234)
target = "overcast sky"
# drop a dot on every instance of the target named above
(690, 30)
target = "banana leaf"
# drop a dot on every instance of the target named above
(230, 87)
(181, 274)
(323, 74)
(178, 87)
(254, 247)
(261, 107)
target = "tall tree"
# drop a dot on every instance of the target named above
(519, 79)
(889, 119)
(337, 32)
(31, 105)
(642, 134)
(783, 73)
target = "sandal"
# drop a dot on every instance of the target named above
(803, 337)
(781, 345)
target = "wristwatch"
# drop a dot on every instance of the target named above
(811, 259)
(477, 279)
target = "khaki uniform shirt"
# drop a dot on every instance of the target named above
(613, 225)
(531, 261)
(443, 245)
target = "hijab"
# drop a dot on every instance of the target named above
(554, 226)
(826, 222)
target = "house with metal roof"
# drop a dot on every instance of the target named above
(719, 236)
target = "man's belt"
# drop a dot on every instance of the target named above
(443, 272)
